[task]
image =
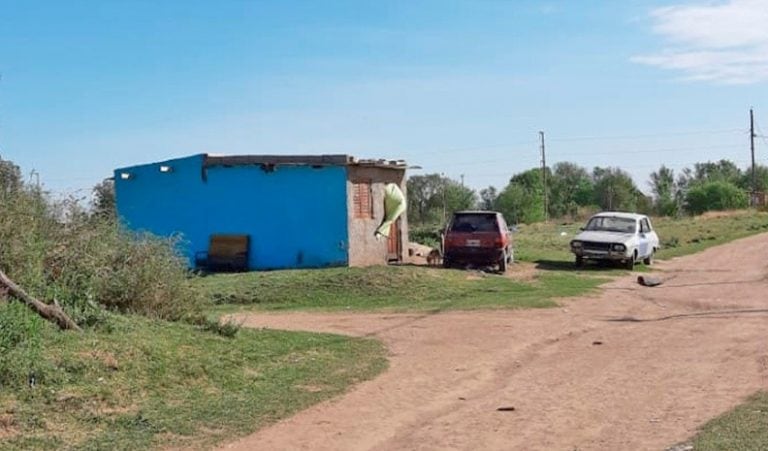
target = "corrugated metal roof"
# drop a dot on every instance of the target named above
(311, 160)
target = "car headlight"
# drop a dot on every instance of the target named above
(619, 247)
(576, 244)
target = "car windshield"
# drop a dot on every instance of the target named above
(474, 223)
(611, 224)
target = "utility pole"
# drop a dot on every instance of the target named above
(544, 176)
(752, 149)
(445, 211)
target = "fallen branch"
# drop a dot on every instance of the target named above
(52, 313)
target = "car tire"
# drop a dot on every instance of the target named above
(447, 263)
(503, 262)
(630, 263)
(648, 261)
(579, 261)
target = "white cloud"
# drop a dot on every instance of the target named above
(724, 42)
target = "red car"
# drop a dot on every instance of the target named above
(477, 238)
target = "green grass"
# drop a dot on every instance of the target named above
(689, 235)
(152, 384)
(399, 288)
(743, 429)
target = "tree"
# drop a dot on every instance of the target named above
(522, 199)
(431, 197)
(488, 198)
(665, 191)
(721, 171)
(615, 190)
(761, 179)
(103, 202)
(570, 188)
(10, 177)
(458, 197)
(422, 195)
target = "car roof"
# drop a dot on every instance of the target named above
(621, 214)
(475, 212)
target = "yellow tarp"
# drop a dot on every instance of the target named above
(394, 206)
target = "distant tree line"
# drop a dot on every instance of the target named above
(573, 192)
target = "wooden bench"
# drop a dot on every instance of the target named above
(225, 253)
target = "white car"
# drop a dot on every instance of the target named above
(616, 236)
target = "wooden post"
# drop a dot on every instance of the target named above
(52, 313)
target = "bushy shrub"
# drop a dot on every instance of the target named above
(87, 262)
(718, 195)
(99, 262)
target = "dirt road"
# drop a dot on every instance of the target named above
(632, 368)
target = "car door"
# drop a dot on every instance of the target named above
(653, 237)
(645, 248)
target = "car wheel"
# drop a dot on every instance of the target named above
(648, 261)
(503, 262)
(630, 263)
(446, 263)
(579, 261)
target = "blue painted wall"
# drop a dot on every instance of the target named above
(296, 216)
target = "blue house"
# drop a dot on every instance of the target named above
(261, 212)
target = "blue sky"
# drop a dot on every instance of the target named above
(457, 87)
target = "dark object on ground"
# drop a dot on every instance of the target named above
(52, 313)
(505, 409)
(596, 343)
(648, 281)
(434, 257)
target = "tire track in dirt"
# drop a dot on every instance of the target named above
(695, 347)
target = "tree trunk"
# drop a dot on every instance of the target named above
(52, 313)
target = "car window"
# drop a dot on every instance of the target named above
(611, 224)
(474, 223)
(502, 223)
(644, 226)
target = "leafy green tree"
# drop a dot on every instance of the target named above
(761, 179)
(431, 197)
(615, 190)
(103, 203)
(522, 200)
(570, 188)
(423, 192)
(664, 191)
(488, 198)
(458, 197)
(715, 195)
(10, 177)
(720, 171)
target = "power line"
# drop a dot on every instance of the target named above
(481, 147)
(582, 138)
(653, 135)
(662, 150)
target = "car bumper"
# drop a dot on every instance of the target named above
(601, 255)
(473, 255)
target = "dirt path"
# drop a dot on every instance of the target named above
(576, 377)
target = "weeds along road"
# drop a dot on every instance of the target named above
(630, 368)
